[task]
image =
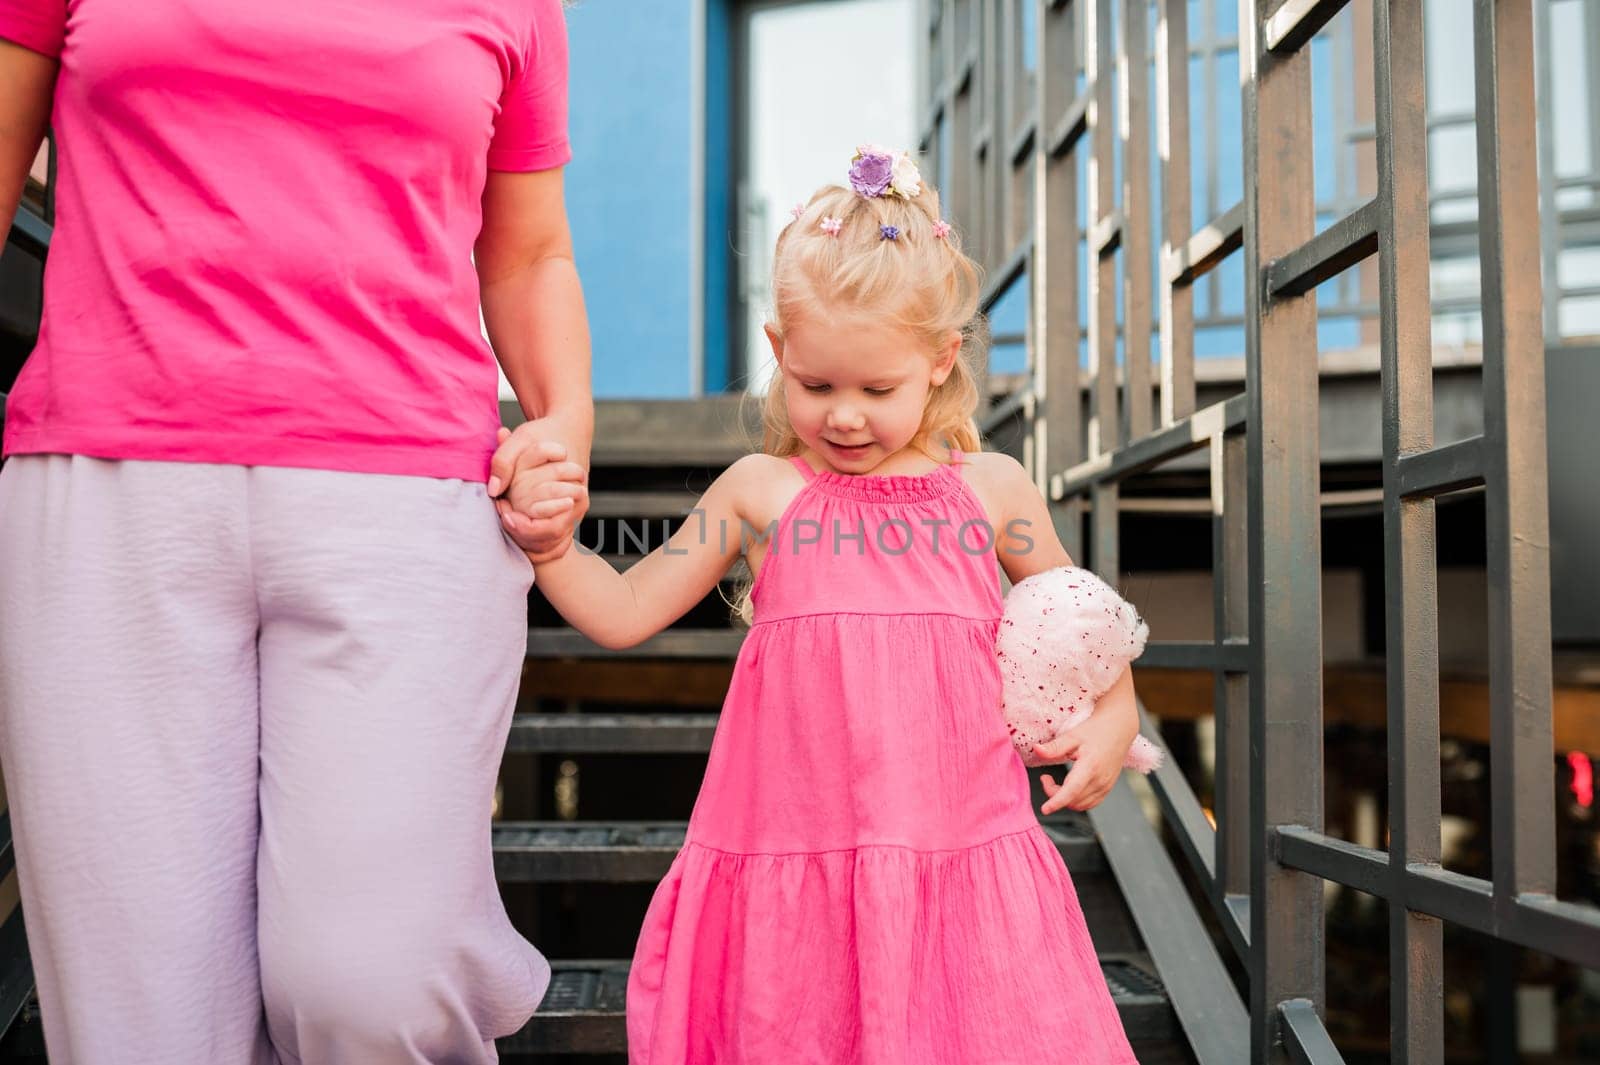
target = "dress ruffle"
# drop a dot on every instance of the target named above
(869, 956)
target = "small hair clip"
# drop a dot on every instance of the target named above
(889, 232)
(831, 226)
(941, 229)
(797, 210)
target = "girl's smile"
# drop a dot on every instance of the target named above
(855, 387)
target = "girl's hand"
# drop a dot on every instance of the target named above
(541, 496)
(1097, 749)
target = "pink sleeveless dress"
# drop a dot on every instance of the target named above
(864, 881)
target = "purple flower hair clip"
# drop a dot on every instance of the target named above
(889, 232)
(831, 226)
(877, 171)
(941, 229)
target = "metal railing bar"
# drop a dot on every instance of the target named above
(1411, 615)
(1206, 249)
(1305, 1036)
(1547, 919)
(1230, 656)
(1105, 236)
(1338, 860)
(1230, 692)
(1516, 509)
(1539, 922)
(1213, 1018)
(1286, 781)
(1197, 840)
(16, 982)
(1441, 469)
(1297, 21)
(967, 67)
(30, 233)
(1057, 418)
(1015, 265)
(1138, 311)
(1328, 254)
(1160, 446)
(1104, 431)
(1176, 390)
(1072, 126)
(1022, 142)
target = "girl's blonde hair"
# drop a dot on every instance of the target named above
(920, 280)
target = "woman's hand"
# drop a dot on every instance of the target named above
(1097, 749)
(539, 495)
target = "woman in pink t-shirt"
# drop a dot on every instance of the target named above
(260, 630)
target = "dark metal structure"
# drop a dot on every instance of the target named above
(1006, 138)
(1008, 132)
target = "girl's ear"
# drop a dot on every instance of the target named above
(945, 361)
(776, 340)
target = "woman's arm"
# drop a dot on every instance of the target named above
(533, 309)
(27, 87)
(618, 610)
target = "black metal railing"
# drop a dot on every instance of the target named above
(1008, 129)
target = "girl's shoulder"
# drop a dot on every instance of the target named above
(995, 478)
(763, 486)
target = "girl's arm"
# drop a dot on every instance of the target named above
(534, 313)
(618, 610)
(27, 86)
(1025, 539)
(1027, 544)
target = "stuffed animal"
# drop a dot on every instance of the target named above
(1065, 638)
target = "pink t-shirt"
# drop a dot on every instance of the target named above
(264, 226)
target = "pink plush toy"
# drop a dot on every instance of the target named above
(1065, 638)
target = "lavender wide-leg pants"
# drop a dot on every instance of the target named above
(250, 722)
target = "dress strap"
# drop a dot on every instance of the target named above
(803, 466)
(956, 459)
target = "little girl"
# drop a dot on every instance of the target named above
(863, 879)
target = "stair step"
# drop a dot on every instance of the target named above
(612, 733)
(583, 1013)
(548, 852)
(585, 852)
(642, 505)
(673, 643)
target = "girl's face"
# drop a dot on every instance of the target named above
(855, 389)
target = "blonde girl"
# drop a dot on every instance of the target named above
(863, 878)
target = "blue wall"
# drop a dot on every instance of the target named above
(628, 191)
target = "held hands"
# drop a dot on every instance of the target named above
(539, 495)
(1096, 749)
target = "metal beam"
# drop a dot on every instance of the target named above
(1328, 254)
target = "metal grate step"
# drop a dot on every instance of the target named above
(673, 643)
(612, 733)
(642, 851)
(568, 852)
(583, 1011)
